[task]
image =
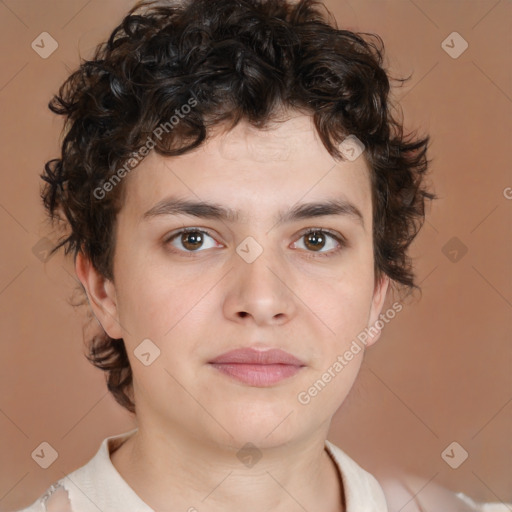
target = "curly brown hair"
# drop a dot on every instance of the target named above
(236, 59)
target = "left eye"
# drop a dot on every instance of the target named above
(318, 240)
(192, 240)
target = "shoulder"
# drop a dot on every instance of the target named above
(55, 499)
(412, 493)
(397, 490)
(97, 473)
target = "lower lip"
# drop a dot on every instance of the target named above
(258, 375)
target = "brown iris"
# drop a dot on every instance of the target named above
(315, 240)
(192, 240)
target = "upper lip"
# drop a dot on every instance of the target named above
(252, 356)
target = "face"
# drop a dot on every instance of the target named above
(277, 255)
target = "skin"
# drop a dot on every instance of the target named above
(309, 300)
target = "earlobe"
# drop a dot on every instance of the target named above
(379, 297)
(101, 294)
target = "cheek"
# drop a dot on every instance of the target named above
(153, 299)
(339, 311)
(343, 318)
(348, 308)
(342, 297)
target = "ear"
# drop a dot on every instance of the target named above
(101, 293)
(379, 297)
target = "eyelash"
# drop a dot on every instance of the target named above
(340, 239)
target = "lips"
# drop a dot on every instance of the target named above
(256, 367)
(252, 356)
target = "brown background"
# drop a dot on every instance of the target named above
(442, 370)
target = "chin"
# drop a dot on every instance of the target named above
(264, 425)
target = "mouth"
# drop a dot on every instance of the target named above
(258, 368)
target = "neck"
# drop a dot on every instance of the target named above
(294, 477)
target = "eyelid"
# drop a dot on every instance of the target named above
(332, 232)
(335, 234)
(179, 231)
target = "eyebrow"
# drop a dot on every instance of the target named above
(205, 210)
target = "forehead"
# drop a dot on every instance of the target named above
(252, 170)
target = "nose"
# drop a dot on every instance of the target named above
(260, 292)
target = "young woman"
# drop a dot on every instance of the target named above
(238, 200)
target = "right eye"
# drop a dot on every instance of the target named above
(191, 240)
